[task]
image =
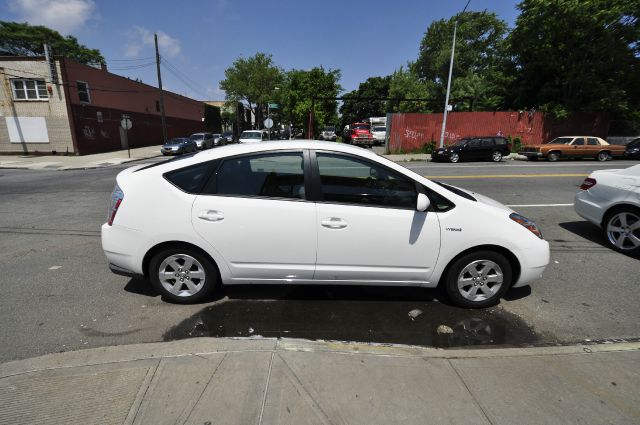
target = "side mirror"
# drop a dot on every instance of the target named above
(423, 202)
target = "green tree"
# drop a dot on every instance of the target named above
(578, 55)
(22, 39)
(357, 110)
(405, 84)
(481, 62)
(252, 81)
(300, 87)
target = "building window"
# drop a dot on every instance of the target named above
(83, 92)
(24, 89)
(157, 106)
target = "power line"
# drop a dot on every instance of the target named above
(184, 81)
(131, 60)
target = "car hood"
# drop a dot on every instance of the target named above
(172, 145)
(482, 199)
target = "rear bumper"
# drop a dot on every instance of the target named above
(121, 271)
(587, 208)
(531, 154)
(124, 249)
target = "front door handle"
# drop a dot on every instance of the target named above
(333, 223)
(211, 215)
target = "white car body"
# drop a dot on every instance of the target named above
(273, 240)
(613, 190)
(249, 136)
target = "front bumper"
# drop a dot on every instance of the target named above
(361, 141)
(531, 154)
(169, 151)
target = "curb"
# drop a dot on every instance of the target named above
(202, 346)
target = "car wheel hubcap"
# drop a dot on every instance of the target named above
(181, 275)
(623, 231)
(454, 157)
(480, 280)
(497, 156)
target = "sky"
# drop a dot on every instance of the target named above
(199, 39)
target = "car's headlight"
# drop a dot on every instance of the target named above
(528, 224)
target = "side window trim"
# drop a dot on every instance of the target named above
(213, 177)
(317, 183)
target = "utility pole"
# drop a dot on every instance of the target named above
(164, 122)
(446, 102)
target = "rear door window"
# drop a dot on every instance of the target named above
(579, 141)
(486, 143)
(190, 179)
(592, 141)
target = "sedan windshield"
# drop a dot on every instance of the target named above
(251, 135)
(560, 141)
(460, 142)
(178, 140)
(361, 127)
(380, 128)
(197, 136)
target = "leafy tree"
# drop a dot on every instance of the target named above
(252, 81)
(481, 62)
(22, 39)
(357, 110)
(300, 87)
(578, 55)
(405, 84)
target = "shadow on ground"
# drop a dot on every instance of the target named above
(354, 313)
(590, 232)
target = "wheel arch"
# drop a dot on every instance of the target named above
(617, 207)
(175, 244)
(513, 260)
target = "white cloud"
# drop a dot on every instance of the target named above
(216, 93)
(141, 38)
(64, 16)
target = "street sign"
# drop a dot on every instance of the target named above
(268, 123)
(273, 106)
(125, 122)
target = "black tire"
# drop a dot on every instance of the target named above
(553, 156)
(454, 271)
(609, 218)
(211, 276)
(602, 156)
(496, 156)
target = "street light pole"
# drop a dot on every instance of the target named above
(446, 102)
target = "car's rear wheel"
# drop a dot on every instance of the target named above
(621, 229)
(496, 156)
(553, 156)
(602, 156)
(454, 157)
(183, 275)
(478, 279)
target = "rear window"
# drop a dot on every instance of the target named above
(190, 179)
(500, 141)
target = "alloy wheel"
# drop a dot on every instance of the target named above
(454, 157)
(480, 280)
(181, 275)
(496, 156)
(623, 231)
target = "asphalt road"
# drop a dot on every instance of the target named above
(58, 295)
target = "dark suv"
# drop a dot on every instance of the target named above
(474, 148)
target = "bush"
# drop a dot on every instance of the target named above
(516, 144)
(428, 147)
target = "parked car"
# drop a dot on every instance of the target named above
(218, 140)
(358, 133)
(632, 150)
(309, 212)
(610, 199)
(573, 147)
(492, 148)
(228, 137)
(379, 133)
(178, 146)
(253, 136)
(203, 140)
(328, 133)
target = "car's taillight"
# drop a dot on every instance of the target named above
(116, 199)
(588, 183)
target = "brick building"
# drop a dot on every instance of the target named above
(81, 113)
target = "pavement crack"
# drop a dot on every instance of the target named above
(204, 388)
(266, 388)
(473, 397)
(149, 380)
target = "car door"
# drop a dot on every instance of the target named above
(487, 146)
(473, 149)
(254, 212)
(578, 148)
(368, 228)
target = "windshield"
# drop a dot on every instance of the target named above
(361, 127)
(461, 142)
(380, 128)
(560, 141)
(329, 129)
(196, 137)
(178, 140)
(251, 135)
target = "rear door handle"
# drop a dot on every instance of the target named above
(333, 223)
(211, 215)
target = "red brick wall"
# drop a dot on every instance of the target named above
(412, 131)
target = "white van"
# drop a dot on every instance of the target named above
(253, 136)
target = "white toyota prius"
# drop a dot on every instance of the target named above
(307, 212)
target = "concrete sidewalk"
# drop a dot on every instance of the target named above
(268, 381)
(63, 162)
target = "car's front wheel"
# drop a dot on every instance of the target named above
(622, 230)
(496, 156)
(602, 156)
(454, 157)
(183, 275)
(478, 279)
(553, 156)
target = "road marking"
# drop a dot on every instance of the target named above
(539, 205)
(509, 176)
